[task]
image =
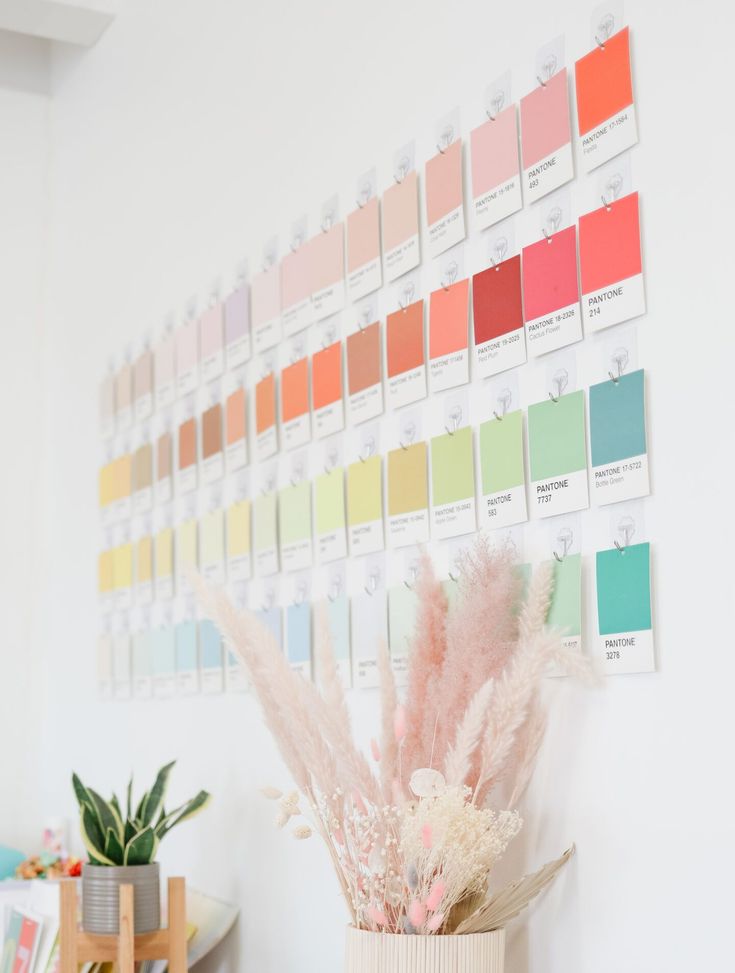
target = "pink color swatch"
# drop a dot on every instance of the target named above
(550, 274)
(363, 235)
(187, 346)
(494, 152)
(211, 331)
(163, 358)
(545, 122)
(265, 296)
(400, 212)
(295, 277)
(326, 258)
(444, 182)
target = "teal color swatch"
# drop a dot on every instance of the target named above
(624, 589)
(338, 614)
(164, 651)
(298, 632)
(617, 419)
(273, 620)
(186, 646)
(556, 436)
(210, 644)
(565, 610)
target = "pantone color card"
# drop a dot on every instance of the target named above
(401, 227)
(238, 343)
(365, 506)
(213, 457)
(143, 478)
(266, 437)
(331, 522)
(402, 608)
(449, 357)
(326, 390)
(364, 385)
(164, 660)
(164, 548)
(610, 264)
(164, 370)
(546, 138)
(238, 541)
(272, 618)
(338, 615)
(187, 357)
(142, 664)
(294, 525)
(496, 172)
(369, 627)
(212, 342)
(551, 292)
(453, 484)
(187, 552)
(444, 199)
(408, 496)
(212, 542)
(565, 610)
(502, 471)
(405, 355)
(296, 290)
(497, 303)
(326, 254)
(618, 439)
(557, 452)
(625, 638)
(164, 468)
(236, 428)
(265, 301)
(122, 573)
(605, 108)
(211, 657)
(187, 456)
(187, 657)
(298, 637)
(265, 534)
(144, 570)
(121, 665)
(364, 272)
(142, 386)
(295, 417)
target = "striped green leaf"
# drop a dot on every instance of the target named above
(141, 849)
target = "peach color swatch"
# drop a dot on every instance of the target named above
(363, 235)
(235, 417)
(265, 403)
(124, 388)
(326, 258)
(448, 319)
(295, 390)
(545, 122)
(400, 212)
(363, 359)
(164, 462)
(326, 376)
(444, 182)
(187, 444)
(143, 375)
(212, 431)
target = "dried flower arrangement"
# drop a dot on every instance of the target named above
(413, 844)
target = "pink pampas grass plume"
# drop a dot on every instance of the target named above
(399, 723)
(435, 922)
(433, 900)
(427, 838)
(377, 916)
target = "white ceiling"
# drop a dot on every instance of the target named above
(56, 20)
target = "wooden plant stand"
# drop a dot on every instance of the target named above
(125, 949)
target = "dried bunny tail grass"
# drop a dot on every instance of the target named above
(459, 758)
(388, 707)
(532, 617)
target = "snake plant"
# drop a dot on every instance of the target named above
(111, 839)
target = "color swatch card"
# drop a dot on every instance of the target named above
(295, 417)
(164, 371)
(495, 168)
(121, 665)
(618, 439)
(272, 618)
(212, 542)
(143, 478)
(502, 471)
(266, 437)
(326, 253)
(326, 392)
(164, 661)
(298, 638)
(187, 657)
(236, 430)
(294, 526)
(610, 264)
(142, 664)
(497, 304)
(238, 541)
(546, 138)
(124, 397)
(105, 578)
(122, 482)
(405, 355)
(338, 617)
(107, 407)
(624, 609)
(212, 342)
(144, 570)
(453, 484)
(444, 199)
(605, 108)
(265, 306)
(365, 506)
(213, 457)
(164, 561)
(331, 521)
(296, 290)
(187, 357)
(449, 357)
(143, 386)
(122, 573)
(364, 271)
(408, 496)
(558, 456)
(265, 530)
(187, 552)
(364, 384)
(187, 456)
(164, 468)
(369, 628)
(238, 344)
(402, 609)
(401, 227)
(565, 609)
(551, 292)
(211, 657)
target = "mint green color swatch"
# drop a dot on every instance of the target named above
(338, 615)
(452, 467)
(294, 513)
(624, 589)
(402, 608)
(210, 643)
(617, 419)
(330, 501)
(142, 654)
(265, 531)
(556, 436)
(565, 610)
(501, 453)
(186, 646)
(164, 651)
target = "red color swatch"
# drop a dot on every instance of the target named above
(550, 274)
(496, 300)
(610, 244)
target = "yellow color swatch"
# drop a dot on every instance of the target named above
(213, 538)
(364, 491)
(105, 576)
(122, 566)
(408, 485)
(123, 477)
(186, 545)
(144, 560)
(238, 529)
(106, 484)
(165, 553)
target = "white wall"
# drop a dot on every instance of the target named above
(185, 139)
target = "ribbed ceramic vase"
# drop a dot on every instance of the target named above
(377, 952)
(101, 897)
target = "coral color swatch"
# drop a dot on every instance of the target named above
(327, 376)
(212, 431)
(363, 359)
(295, 390)
(187, 444)
(405, 339)
(448, 311)
(603, 82)
(265, 404)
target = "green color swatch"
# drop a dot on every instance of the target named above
(565, 611)
(624, 589)
(501, 453)
(264, 522)
(452, 467)
(402, 608)
(338, 613)
(556, 438)
(365, 491)
(330, 501)
(294, 513)
(617, 419)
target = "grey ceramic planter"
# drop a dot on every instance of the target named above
(101, 897)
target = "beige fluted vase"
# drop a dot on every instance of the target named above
(376, 952)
